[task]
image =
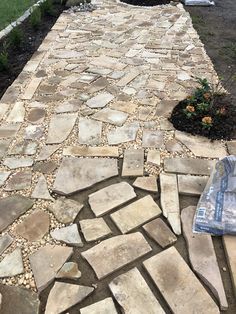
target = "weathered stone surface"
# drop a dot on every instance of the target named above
(60, 127)
(166, 125)
(76, 174)
(153, 139)
(68, 107)
(202, 256)
(174, 146)
(19, 181)
(230, 252)
(46, 167)
(34, 132)
(41, 190)
(94, 229)
(110, 197)
(47, 151)
(9, 130)
(108, 63)
(191, 185)
(25, 301)
(31, 88)
(111, 116)
(34, 226)
(188, 166)
(3, 109)
(46, 262)
(128, 107)
(100, 101)
(24, 148)
(146, 183)
(12, 264)
(165, 107)
(105, 306)
(153, 157)
(3, 177)
(5, 241)
(133, 163)
(136, 214)
(65, 210)
(123, 134)
(69, 235)
(133, 294)
(17, 113)
(145, 113)
(201, 146)
(11, 208)
(4, 144)
(130, 76)
(14, 163)
(170, 200)
(98, 85)
(231, 146)
(103, 151)
(179, 286)
(69, 270)
(160, 233)
(36, 115)
(116, 252)
(90, 131)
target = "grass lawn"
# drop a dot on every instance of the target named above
(10, 10)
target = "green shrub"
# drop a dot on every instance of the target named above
(16, 37)
(47, 8)
(35, 18)
(4, 61)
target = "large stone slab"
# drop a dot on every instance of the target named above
(17, 113)
(47, 151)
(188, 166)
(14, 163)
(11, 208)
(133, 163)
(111, 116)
(116, 252)
(69, 235)
(23, 148)
(154, 157)
(31, 88)
(90, 131)
(5, 241)
(70, 271)
(203, 257)
(65, 210)
(146, 183)
(100, 100)
(76, 174)
(68, 294)
(12, 264)
(170, 200)
(133, 294)
(191, 185)
(110, 197)
(230, 252)
(19, 181)
(94, 229)
(105, 306)
(154, 139)
(9, 130)
(82, 151)
(46, 262)
(136, 214)
(177, 283)
(60, 127)
(123, 134)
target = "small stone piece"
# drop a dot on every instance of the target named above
(90, 131)
(94, 229)
(66, 210)
(153, 139)
(230, 252)
(14, 163)
(129, 107)
(103, 151)
(41, 190)
(116, 252)
(153, 157)
(45, 167)
(5, 241)
(160, 233)
(100, 101)
(173, 146)
(179, 286)
(31, 88)
(69, 235)
(136, 214)
(12, 264)
(24, 148)
(191, 185)
(4, 144)
(36, 115)
(9, 130)
(123, 134)
(133, 294)
(47, 151)
(69, 270)
(3, 177)
(105, 306)
(111, 116)
(146, 183)
(133, 163)
(17, 113)
(34, 226)
(110, 197)
(231, 147)
(34, 132)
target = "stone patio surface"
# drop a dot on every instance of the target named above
(85, 118)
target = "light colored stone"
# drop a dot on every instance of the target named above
(166, 125)
(203, 257)
(133, 163)
(111, 116)
(69, 270)
(105, 306)
(69, 235)
(12, 264)
(36, 115)
(24, 148)
(14, 163)
(123, 134)
(174, 146)
(230, 252)
(154, 157)
(5, 241)
(116, 252)
(154, 139)
(3, 177)
(110, 197)
(128, 107)
(31, 88)
(9, 130)
(100, 101)
(170, 200)
(90, 131)
(17, 113)
(68, 294)
(130, 76)
(231, 146)
(47, 152)
(94, 229)
(3, 109)
(146, 183)
(108, 63)
(136, 214)
(179, 286)
(33, 132)
(191, 185)
(41, 190)
(4, 144)
(103, 151)
(133, 294)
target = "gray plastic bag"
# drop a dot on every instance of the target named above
(199, 2)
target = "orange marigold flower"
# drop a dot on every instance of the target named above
(190, 108)
(207, 120)
(207, 96)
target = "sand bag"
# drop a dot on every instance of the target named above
(198, 2)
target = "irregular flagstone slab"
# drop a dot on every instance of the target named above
(11, 208)
(67, 54)
(231, 146)
(105, 306)
(100, 100)
(3, 109)
(76, 174)
(153, 139)
(90, 131)
(31, 88)
(133, 163)
(25, 301)
(116, 252)
(133, 294)
(191, 185)
(19, 181)
(46, 262)
(201, 146)
(35, 226)
(12, 264)
(9, 130)
(45, 167)
(3, 177)
(108, 63)
(136, 214)
(154, 157)
(14, 163)
(123, 134)
(98, 85)
(41, 190)
(34, 132)
(4, 144)
(230, 252)
(67, 107)
(68, 294)
(65, 210)
(160, 233)
(173, 146)
(17, 113)
(94, 229)
(128, 107)
(111, 116)
(60, 127)
(130, 76)
(146, 183)
(24, 148)
(5, 241)
(108, 198)
(188, 166)
(179, 286)
(36, 115)
(103, 151)
(170, 200)
(69, 235)
(47, 152)
(145, 113)
(203, 257)
(69, 270)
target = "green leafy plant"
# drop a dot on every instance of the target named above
(189, 111)
(46, 8)
(16, 37)
(35, 18)
(203, 107)
(4, 60)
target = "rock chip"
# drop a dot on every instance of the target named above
(90, 131)
(69, 235)
(41, 190)
(146, 183)
(94, 229)
(133, 163)
(69, 270)
(65, 210)
(12, 264)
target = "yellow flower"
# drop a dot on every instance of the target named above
(207, 120)
(190, 108)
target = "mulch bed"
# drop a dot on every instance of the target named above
(146, 3)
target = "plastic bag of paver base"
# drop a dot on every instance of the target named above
(198, 2)
(216, 209)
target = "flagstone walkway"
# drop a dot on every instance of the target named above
(84, 119)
